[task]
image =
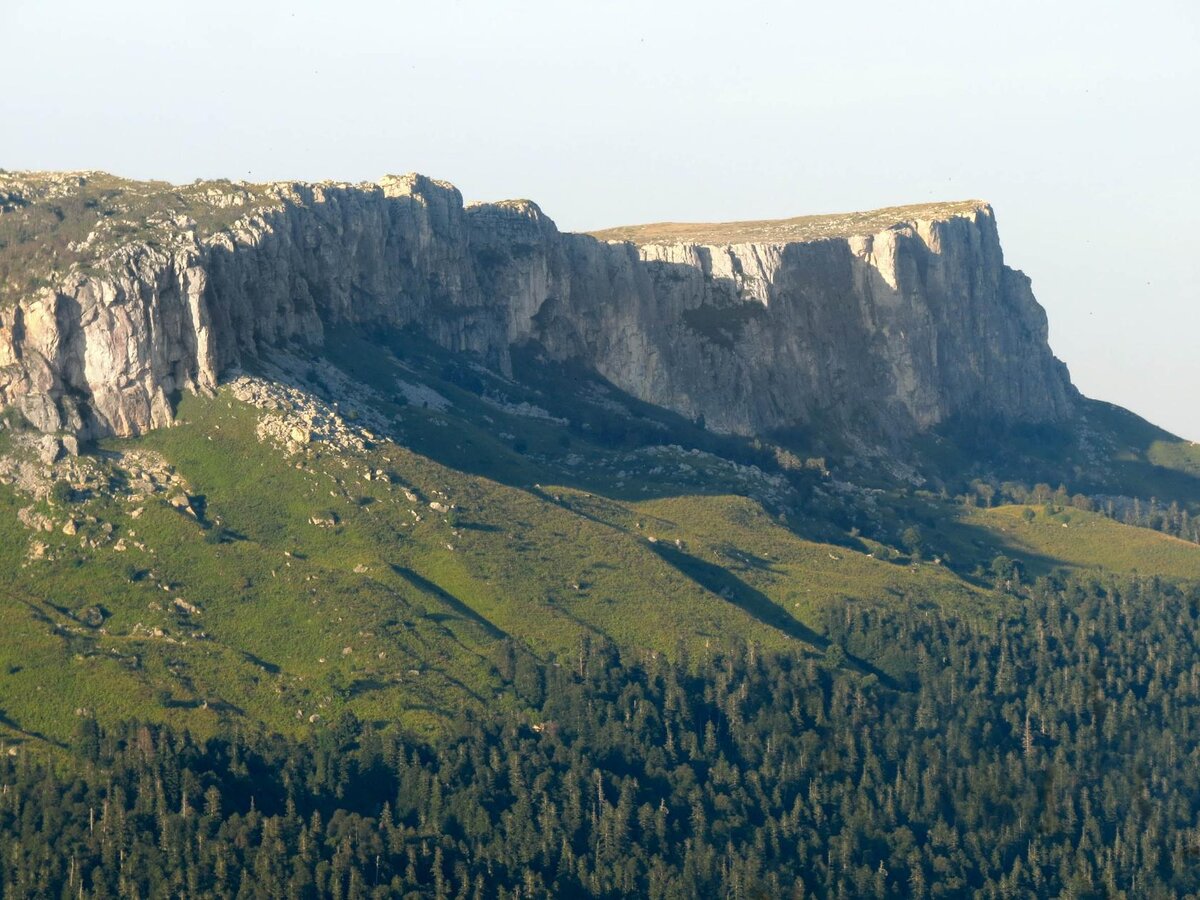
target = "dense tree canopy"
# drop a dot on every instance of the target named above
(1052, 753)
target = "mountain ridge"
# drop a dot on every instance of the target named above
(877, 335)
(412, 441)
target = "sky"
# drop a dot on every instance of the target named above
(1078, 121)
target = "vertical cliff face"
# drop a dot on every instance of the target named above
(881, 323)
(106, 348)
(897, 329)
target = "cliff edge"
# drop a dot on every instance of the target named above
(117, 295)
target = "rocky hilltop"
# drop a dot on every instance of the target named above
(118, 295)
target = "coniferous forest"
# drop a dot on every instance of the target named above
(694, 500)
(1054, 752)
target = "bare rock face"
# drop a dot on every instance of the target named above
(899, 329)
(882, 323)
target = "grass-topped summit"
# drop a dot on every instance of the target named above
(52, 222)
(800, 229)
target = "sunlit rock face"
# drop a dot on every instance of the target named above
(880, 323)
(896, 328)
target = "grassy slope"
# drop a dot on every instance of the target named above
(1147, 460)
(1103, 450)
(1076, 539)
(402, 620)
(421, 620)
(1052, 539)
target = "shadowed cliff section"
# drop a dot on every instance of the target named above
(884, 323)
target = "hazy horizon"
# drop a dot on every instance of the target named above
(1070, 120)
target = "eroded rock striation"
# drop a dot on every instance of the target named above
(882, 323)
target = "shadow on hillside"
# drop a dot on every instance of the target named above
(746, 558)
(8, 723)
(986, 544)
(462, 609)
(754, 603)
(729, 587)
(269, 667)
(225, 707)
(581, 414)
(1101, 449)
(587, 434)
(1157, 463)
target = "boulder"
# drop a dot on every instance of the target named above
(49, 448)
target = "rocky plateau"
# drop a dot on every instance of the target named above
(880, 324)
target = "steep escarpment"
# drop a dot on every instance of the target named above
(882, 324)
(108, 345)
(892, 329)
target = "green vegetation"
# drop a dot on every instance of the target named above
(50, 222)
(1104, 450)
(483, 635)
(1053, 756)
(1145, 460)
(1077, 539)
(722, 325)
(302, 584)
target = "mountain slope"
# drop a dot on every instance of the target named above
(273, 558)
(274, 453)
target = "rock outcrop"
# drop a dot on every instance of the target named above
(882, 324)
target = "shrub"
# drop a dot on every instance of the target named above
(62, 493)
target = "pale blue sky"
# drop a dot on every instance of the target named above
(1076, 120)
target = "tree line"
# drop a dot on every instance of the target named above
(1052, 751)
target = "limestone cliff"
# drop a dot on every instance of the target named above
(880, 323)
